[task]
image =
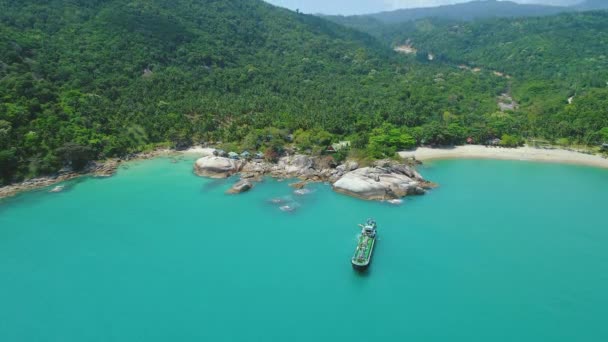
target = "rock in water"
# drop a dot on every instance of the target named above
(381, 183)
(298, 185)
(217, 167)
(241, 186)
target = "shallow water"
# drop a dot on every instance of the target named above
(502, 251)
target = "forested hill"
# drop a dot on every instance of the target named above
(83, 80)
(549, 61)
(91, 79)
(470, 11)
(556, 66)
(377, 23)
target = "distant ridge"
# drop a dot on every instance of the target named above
(592, 5)
(468, 11)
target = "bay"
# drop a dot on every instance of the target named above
(501, 251)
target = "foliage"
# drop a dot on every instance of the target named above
(74, 155)
(81, 80)
(385, 141)
(510, 141)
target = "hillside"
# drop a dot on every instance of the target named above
(378, 23)
(469, 11)
(82, 80)
(549, 60)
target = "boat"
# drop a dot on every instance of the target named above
(365, 246)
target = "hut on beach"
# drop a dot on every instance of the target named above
(333, 148)
(219, 153)
(494, 142)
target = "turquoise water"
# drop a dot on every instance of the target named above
(502, 251)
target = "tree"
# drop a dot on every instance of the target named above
(8, 165)
(604, 134)
(74, 155)
(510, 141)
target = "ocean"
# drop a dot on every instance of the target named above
(501, 251)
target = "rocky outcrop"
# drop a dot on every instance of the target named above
(256, 169)
(381, 182)
(217, 167)
(241, 186)
(384, 180)
(295, 166)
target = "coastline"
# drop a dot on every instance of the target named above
(558, 156)
(106, 168)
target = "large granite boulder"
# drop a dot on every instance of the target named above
(256, 169)
(296, 166)
(381, 183)
(217, 167)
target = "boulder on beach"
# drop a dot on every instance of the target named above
(239, 187)
(381, 183)
(255, 169)
(296, 166)
(217, 167)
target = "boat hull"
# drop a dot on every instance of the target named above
(362, 266)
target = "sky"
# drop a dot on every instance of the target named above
(348, 7)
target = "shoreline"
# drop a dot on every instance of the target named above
(109, 167)
(103, 169)
(532, 154)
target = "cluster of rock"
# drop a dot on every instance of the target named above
(217, 167)
(383, 181)
(105, 169)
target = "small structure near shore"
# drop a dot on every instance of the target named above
(333, 148)
(494, 142)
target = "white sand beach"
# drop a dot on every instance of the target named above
(202, 151)
(522, 153)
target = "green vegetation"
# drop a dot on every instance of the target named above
(84, 80)
(546, 62)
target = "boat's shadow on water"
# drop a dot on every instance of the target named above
(363, 273)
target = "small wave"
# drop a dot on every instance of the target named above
(58, 188)
(395, 201)
(302, 192)
(276, 201)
